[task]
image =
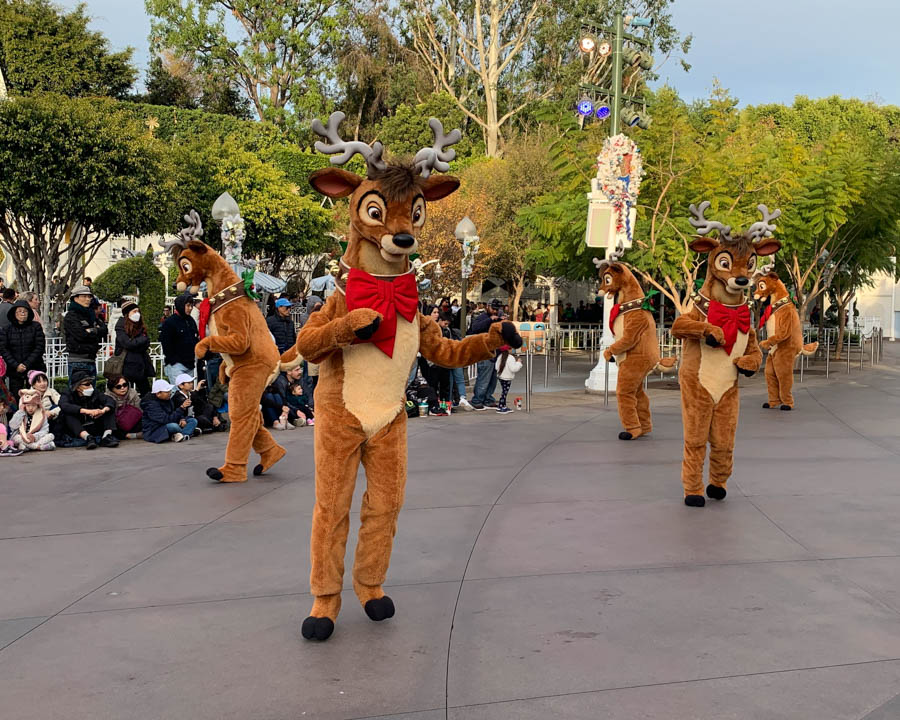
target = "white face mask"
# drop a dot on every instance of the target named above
(135, 316)
(88, 391)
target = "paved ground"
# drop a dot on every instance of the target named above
(543, 569)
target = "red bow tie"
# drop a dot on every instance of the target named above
(388, 297)
(766, 314)
(731, 320)
(613, 314)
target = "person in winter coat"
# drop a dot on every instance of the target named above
(84, 332)
(507, 367)
(162, 420)
(179, 336)
(30, 426)
(38, 380)
(128, 407)
(8, 300)
(88, 416)
(22, 346)
(281, 325)
(486, 381)
(132, 339)
(200, 408)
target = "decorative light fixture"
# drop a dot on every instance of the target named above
(585, 107)
(587, 44)
(604, 48)
(603, 111)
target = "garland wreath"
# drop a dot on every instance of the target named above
(621, 190)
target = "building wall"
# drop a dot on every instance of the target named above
(881, 300)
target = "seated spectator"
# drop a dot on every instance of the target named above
(200, 408)
(22, 346)
(39, 381)
(132, 339)
(162, 420)
(30, 426)
(128, 407)
(296, 400)
(88, 416)
(277, 414)
(419, 390)
(7, 448)
(281, 325)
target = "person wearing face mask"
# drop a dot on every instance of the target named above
(89, 416)
(132, 339)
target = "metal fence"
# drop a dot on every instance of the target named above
(56, 357)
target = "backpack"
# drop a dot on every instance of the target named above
(412, 409)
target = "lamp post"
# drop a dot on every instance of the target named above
(225, 209)
(467, 234)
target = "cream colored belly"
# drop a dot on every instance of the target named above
(226, 358)
(717, 370)
(770, 331)
(618, 329)
(375, 384)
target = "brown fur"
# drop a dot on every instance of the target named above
(784, 341)
(709, 387)
(360, 398)
(636, 349)
(249, 358)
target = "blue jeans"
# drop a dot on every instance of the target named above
(485, 383)
(188, 429)
(173, 371)
(458, 380)
(88, 367)
(212, 370)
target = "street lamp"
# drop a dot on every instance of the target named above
(467, 234)
(225, 209)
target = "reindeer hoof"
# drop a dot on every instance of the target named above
(368, 331)
(715, 492)
(766, 406)
(786, 407)
(625, 435)
(314, 628)
(694, 500)
(214, 474)
(380, 609)
(711, 341)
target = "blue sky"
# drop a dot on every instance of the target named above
(763, 51)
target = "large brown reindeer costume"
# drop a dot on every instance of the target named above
(238, 331)
(784, 337)
(365, 340)
(719, 343)
(636, 349)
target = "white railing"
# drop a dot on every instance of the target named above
(56, 357)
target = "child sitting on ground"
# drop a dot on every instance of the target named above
(49, 398)
(296, 400)
(161, 419)
(7, 449)
(30, 425)
(201, 409)
(507, 367)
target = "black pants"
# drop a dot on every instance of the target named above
(77, 424)
(142, 384)
(440, 381)
(504, 386)
(16, 381)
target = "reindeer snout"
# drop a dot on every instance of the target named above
(742, 281)
(404, 240)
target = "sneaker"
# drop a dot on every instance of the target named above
(197, 433)
(311, 421)
(298, 423)
(504, 410)
(465, 405)
(91, 443)
(109, 441)
(48, 446)
(178, 437)
(490, 403)
(11, 451)
(477, 406)
(134, 435)
(439, 413)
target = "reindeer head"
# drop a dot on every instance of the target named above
(388, 206)
(616, 280)
(194, 258)
(767, 285)
(732, 258)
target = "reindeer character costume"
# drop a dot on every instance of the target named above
(365, 341)
(719, 342)
(238, 331)
(636, 349)
(784, 337)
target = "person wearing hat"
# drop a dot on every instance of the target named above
(281, 325)
(88, 416)
(132, 339)
(84, 332)
(200, 408)
(162, 419)
(21, 346)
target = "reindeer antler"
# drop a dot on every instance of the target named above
(193, 231)
(764, 270)
(437, 156)
(765, 227)
(611, 257)
(704, 226)
(347, 149)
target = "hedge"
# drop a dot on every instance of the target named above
(136, 276)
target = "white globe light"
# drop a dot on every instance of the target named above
(604, 48)
(587, 44)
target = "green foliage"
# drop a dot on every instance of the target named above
(406, 131)
(135, 276)
(45, 49)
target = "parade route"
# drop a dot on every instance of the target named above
(542, 569)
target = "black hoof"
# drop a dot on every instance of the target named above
(694, 500)
(766, 406)
(715, 492)
(317, 628)
(711, 341)
(380, 609)
(786, 407)
(258, 470)
(214, 474)
(625, 435)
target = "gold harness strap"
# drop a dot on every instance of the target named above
(229, 294)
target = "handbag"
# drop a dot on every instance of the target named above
(128, 417)
(115, 365)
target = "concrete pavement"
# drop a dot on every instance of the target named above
(542, 569)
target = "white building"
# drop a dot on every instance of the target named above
(882, 300)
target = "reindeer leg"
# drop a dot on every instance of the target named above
(721, 443)
(696, 413)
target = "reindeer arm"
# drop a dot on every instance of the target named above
(782, 333)
(330, 329)
(448, 353)
(750, 361)
(634, 325)
(233, 335)
(691, 327)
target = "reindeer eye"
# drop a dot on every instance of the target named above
(607, 279)
(372, 209)
(186, 266)
(723, 262)
(751, 263)
(762, 286)
(374, 212)
(418, 213)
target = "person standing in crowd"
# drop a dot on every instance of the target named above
(34, 302)
(179, 336)
(310, 370)
(457, 378)
(128, 407)
(84, 332)
(21, 345)
(9, 298)
(132, 339)
(88, 416)
(162, 420)
(486, 381)
(281, 325)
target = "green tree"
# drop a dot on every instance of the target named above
(135, 276)
(45, 49)
(74, 177)
(406, 130)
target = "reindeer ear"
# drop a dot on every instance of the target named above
(439, 186)
(617, 268)
(703, 245)
(767, 246)
(198, 246)
(334, 182)
(772, 276)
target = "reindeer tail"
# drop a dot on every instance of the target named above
(809, 349)
(665, 365)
